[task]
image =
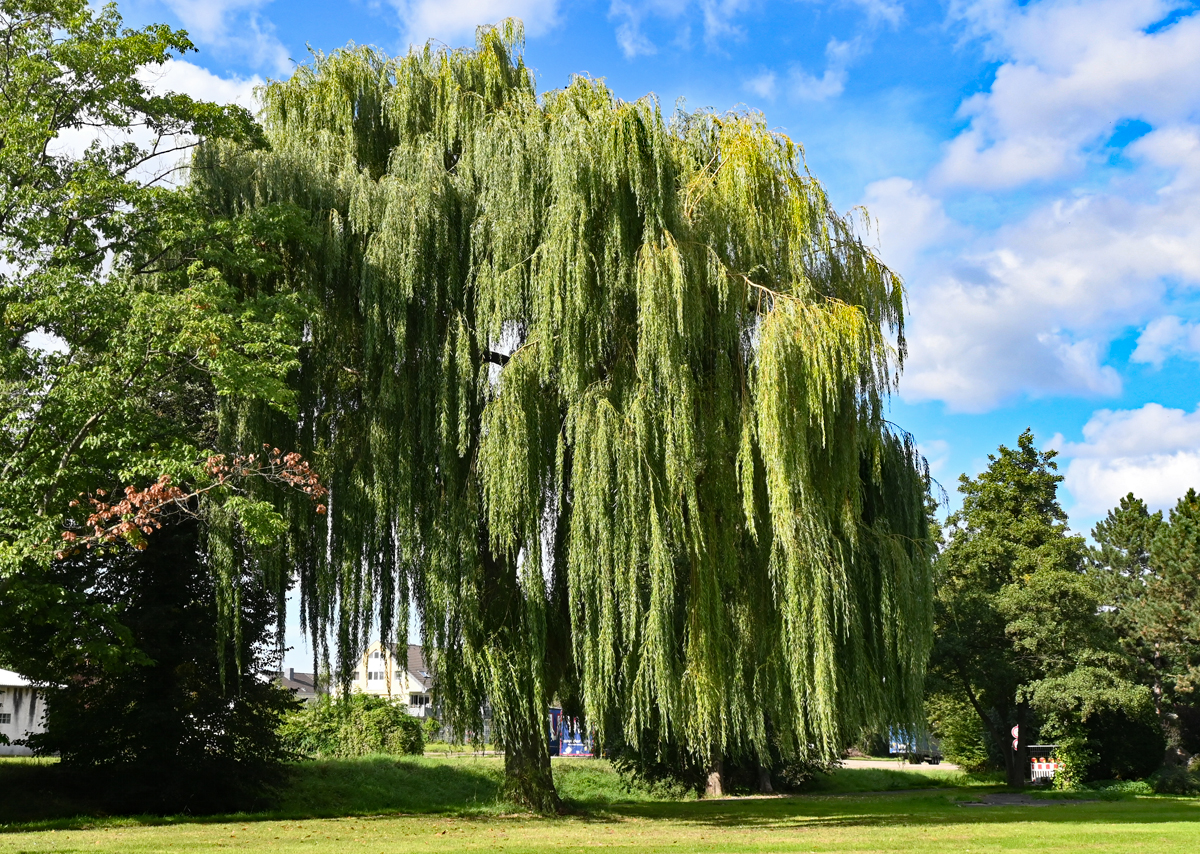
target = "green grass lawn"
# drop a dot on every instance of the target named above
(449, 805)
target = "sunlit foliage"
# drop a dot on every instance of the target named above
(602, 391)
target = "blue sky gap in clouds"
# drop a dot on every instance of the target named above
(1034, 169)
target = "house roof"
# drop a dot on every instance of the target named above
(416, 664)
(9, 679)
(301, 683)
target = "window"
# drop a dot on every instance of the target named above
(417, 699)
(5, 717)
(373, 675)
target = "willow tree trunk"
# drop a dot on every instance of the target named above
(764, 779)
(528, 781)
(516, 687)
(715, 785)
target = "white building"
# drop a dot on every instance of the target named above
(381, 673)
(22, 712)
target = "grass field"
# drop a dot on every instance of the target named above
(438, 805)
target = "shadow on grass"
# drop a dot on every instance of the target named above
(469, 789)
(889, 780)
(42, 797)
(925, 807)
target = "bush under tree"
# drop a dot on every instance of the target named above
(356, 725)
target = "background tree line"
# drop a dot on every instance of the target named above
(1093, 648)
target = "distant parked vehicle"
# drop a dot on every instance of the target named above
(914, 747)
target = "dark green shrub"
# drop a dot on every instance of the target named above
(671, 770)
(1174, 780)
(431, 729)
(358, 725)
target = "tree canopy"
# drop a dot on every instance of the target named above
(123, 308)
(1018, 624)
(1149, 569)
(602, 392)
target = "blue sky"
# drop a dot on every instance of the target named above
(1033, 169)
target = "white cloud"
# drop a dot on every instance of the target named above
(717, 16)
(44, 342)
(234, 27)
(1031, 307)
(762, 85)
(1165, 337)
(455, 21)
(1153, 452)
(838, 55)
(1071, 71)
(908, 220)
(890, 11)
(176, 75)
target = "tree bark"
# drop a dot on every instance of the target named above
(528, 781)
(1015, 762)
(519, 707)
(715, 786)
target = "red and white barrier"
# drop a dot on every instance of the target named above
(1043, 769)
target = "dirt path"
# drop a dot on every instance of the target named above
(895, 765)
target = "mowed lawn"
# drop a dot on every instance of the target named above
(449, 805)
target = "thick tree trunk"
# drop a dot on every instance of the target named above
(1173, 753)
(518, 702)
(528, 781)
(715, 786)
(1015, 763)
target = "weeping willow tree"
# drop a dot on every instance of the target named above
(602, 392)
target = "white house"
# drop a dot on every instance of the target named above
(21, 712)
(382, 674)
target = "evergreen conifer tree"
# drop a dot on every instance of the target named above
(1018, 627)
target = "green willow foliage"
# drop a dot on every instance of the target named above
(603, 392)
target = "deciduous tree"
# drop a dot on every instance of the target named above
(603, 392)
(127, 308)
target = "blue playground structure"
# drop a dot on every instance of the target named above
(568, 736)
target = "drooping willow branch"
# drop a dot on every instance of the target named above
(677, 498)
